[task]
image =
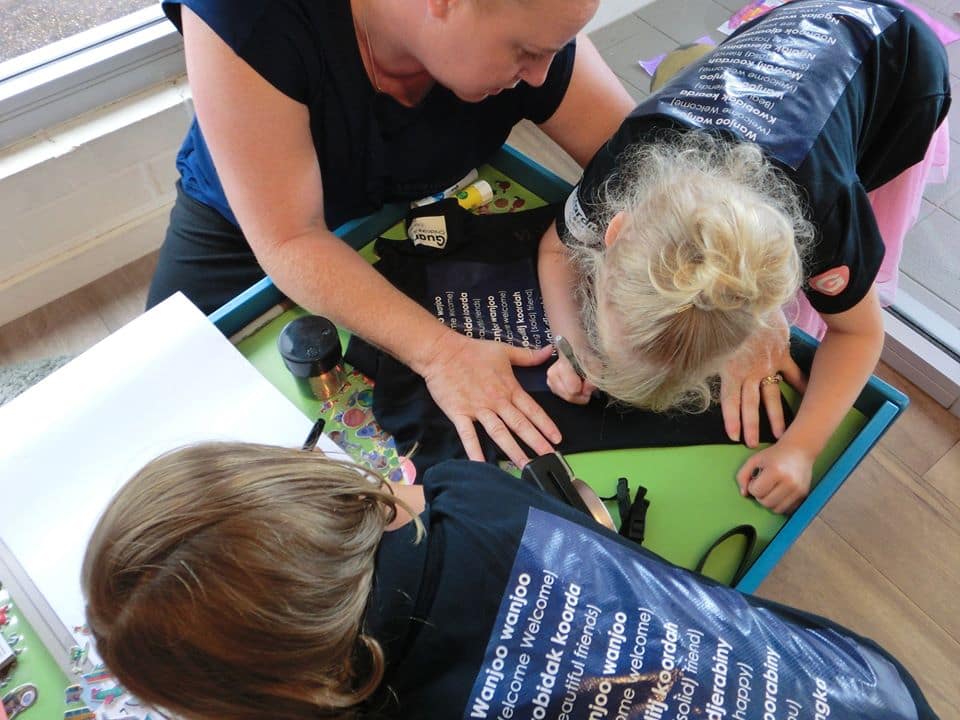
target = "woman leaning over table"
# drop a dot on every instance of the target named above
(312, 113)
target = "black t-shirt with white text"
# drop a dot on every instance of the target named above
(843, 96)
(516, 605)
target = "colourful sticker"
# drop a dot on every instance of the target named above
(354, 417)
(365, 398)
(83, 713)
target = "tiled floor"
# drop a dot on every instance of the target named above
(931, 262)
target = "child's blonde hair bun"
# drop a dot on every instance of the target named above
(711, 245)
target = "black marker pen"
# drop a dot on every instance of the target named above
(314, 436)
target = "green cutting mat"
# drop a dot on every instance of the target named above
(693, 494)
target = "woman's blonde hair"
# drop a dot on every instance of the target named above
(230, 581)
(711, 245)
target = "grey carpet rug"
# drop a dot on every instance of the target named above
(14, 379)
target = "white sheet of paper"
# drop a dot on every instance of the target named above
(67, 444)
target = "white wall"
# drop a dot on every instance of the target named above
(85, 198)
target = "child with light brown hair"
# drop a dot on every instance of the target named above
(232, 581)
(676, 260)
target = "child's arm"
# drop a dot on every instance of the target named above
(842, 364)
(557, 285)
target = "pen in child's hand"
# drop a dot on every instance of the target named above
(754, 474)
(564, 348)
(314, 436)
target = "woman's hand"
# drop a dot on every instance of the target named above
(778, 477)
(473, 381)
(764, 355)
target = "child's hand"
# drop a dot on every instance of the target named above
(564, 382)
(778, 477)
(746, 380)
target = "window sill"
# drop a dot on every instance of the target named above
(73, 76)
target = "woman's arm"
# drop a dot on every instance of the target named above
(593, 107)
(841, 366)
(262, 147)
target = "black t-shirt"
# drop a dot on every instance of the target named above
(371, 149)
(843, 96)
(442, 609)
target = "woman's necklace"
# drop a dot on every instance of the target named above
(370, 58)
(406, 90)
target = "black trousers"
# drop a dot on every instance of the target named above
(203, 255)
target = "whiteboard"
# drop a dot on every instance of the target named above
(68, 443)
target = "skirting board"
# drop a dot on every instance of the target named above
(72, 269)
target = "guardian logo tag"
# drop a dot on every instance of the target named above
(429, 230)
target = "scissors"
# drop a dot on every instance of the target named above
(564, 348)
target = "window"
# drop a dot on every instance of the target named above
(28, 25)
(60, 59)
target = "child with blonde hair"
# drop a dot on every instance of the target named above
(740, 182)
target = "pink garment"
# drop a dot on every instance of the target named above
(946, 34)
(896, 206)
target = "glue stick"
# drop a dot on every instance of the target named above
(450, 191)
(480, 193)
